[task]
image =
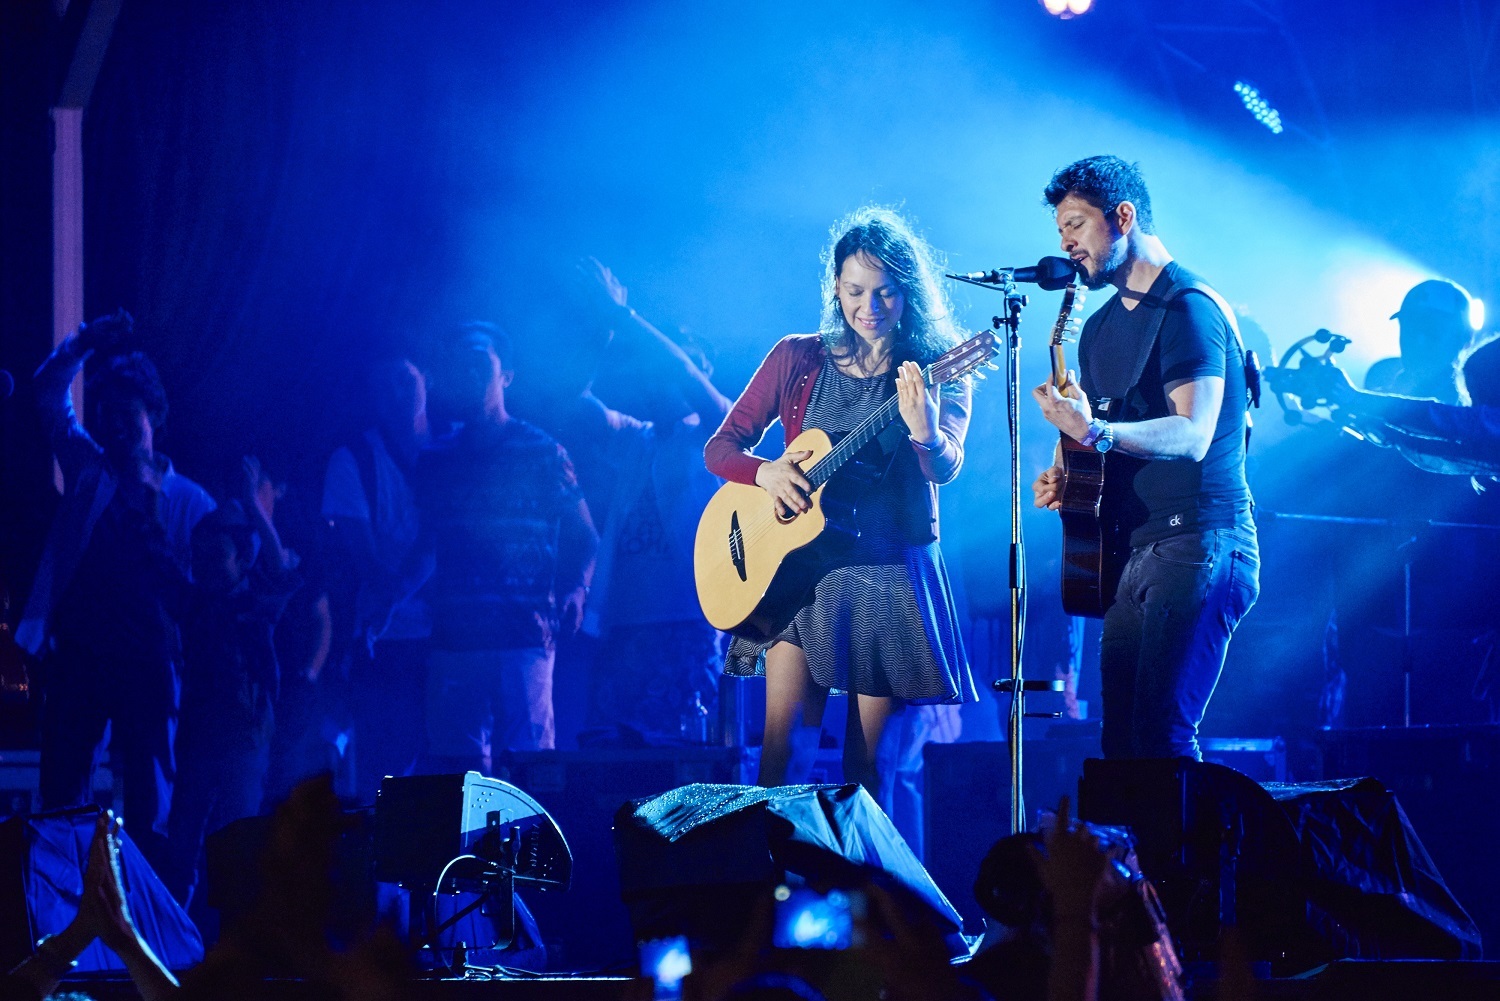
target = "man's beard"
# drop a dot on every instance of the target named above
(1109, 268)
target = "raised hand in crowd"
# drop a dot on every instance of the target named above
(598, 286)
(103, 914)
(258, 494)
(1080, 877)
(642, 345)
(909, 953)
(105, 333)
(287, 932)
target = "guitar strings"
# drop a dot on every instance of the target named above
(880, 414)
(833, 459)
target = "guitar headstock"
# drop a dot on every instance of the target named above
(1067, 326)
(958, 362)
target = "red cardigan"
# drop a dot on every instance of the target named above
(782, 387)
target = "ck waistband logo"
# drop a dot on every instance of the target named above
(1176, 521)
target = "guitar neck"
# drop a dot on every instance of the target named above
(1059, 365)
(1072, 299)
(862, 435)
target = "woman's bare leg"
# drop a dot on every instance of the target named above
(867, 757)
(794, 713)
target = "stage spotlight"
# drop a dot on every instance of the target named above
(1259, 107)
(1066, 9)
(1476, 313)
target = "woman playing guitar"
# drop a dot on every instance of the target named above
(879, 622)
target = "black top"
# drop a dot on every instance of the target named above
(1160, 498)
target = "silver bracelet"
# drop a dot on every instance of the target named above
(927, 448)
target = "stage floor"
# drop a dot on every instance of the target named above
(1346, 980)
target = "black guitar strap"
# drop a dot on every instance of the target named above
(1148, 343)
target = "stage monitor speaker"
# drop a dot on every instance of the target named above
(235, 867)
(1448, 781)
(424, 822)
(1309, 873)
(693, 861)
(42, 859)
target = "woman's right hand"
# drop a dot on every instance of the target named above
(1048, 488)
(784, 481)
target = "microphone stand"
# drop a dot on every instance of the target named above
(1015, 685)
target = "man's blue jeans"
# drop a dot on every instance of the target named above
(1165, 638)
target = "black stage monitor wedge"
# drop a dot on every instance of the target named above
(1310, 872)
(694, 861)
(425, 822)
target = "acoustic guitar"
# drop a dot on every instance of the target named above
(752, 566)
(1093, 556)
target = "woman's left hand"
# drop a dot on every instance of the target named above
(918, 405)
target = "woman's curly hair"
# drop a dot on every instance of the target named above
(926, 328)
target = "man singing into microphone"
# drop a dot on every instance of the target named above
(1163, 391)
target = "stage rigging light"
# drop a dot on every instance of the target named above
(1259, 107)
(1476, 313)
(1067, 8)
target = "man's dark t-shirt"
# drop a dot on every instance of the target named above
(1159, 498)
(493, 499)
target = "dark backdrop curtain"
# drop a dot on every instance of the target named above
(268, 191)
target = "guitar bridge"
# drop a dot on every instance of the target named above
(737, 546)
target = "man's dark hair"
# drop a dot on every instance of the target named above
(1104, 182)
(229, 520)
(474, 333)
(129, 377)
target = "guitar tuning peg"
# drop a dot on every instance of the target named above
(992, 366)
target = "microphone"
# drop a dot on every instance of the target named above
(1051, 273)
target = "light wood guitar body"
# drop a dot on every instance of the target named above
(742, 548)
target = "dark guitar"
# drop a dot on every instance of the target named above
(752, 566)
(1092, 554)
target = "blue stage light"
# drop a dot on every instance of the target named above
(1259, 107)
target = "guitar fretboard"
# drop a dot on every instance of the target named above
(862, 434)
